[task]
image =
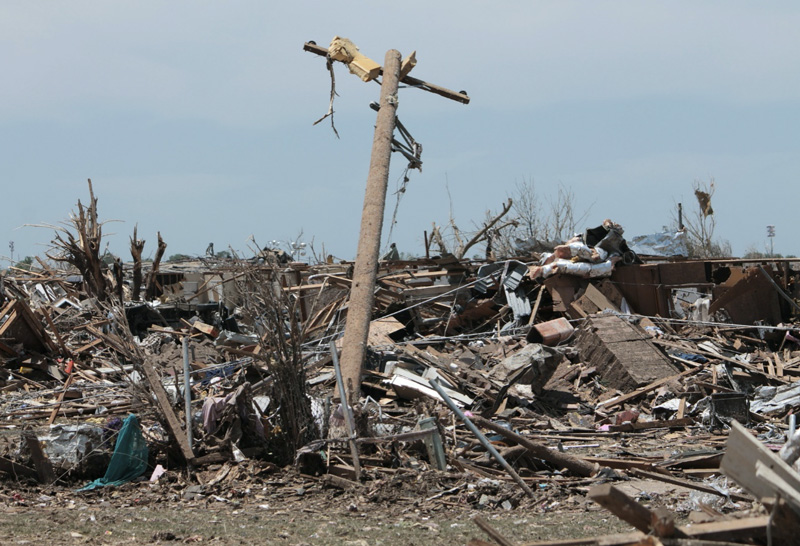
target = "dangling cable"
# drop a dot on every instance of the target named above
(333, 95)
(399, 193)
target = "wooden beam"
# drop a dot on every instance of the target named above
(687, 483)
(647, 388)
(492, 532)
(628, 510)
(561, 460)
(61, 395)
(173, 423)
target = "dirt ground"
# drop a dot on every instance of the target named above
(293, 511)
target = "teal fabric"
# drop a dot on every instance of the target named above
(129, 460)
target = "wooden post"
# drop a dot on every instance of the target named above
(359, 313)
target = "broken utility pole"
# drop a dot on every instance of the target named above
(362, 293)
(359, 314)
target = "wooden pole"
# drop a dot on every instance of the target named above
(362, 293)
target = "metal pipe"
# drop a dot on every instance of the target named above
(778, 289)
(187, 391)
(348, 412)
(483, 440)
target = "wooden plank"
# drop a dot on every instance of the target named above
(770, 368)
(742, 455)
(619, 539)
(599, 299)
(64, 350)
(667, 478)
(415, 275)
(750, 367)
(492, 532)
(626, 464)
(88, 346)
(54, 413)
(12, 318)
(535, 310)
(207, 329)
(628, 510)
(647, 388)
(581, 467)
(735, 530)
(787, 492)
(173, 423)
(645, 425)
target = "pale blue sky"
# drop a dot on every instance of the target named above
(195, 117)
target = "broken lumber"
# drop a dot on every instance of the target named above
(558, 459)
(173, 423)
(628, 510)
(743, 455)
(492, 532)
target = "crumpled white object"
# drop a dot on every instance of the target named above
(579, 269)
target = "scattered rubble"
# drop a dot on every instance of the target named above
(501, 385)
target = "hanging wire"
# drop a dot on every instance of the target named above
(401, 191)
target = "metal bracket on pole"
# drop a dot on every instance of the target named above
(410, 148)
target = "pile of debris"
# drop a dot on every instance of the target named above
(522, 383)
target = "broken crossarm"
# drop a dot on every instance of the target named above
(460, 96)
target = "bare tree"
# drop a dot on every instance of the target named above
(137, 246)
(540, 222)
(460, 243)
(700, 224)
(264, 303)
(527, 217)
(81, 249)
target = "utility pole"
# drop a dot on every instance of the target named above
(362, 292)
